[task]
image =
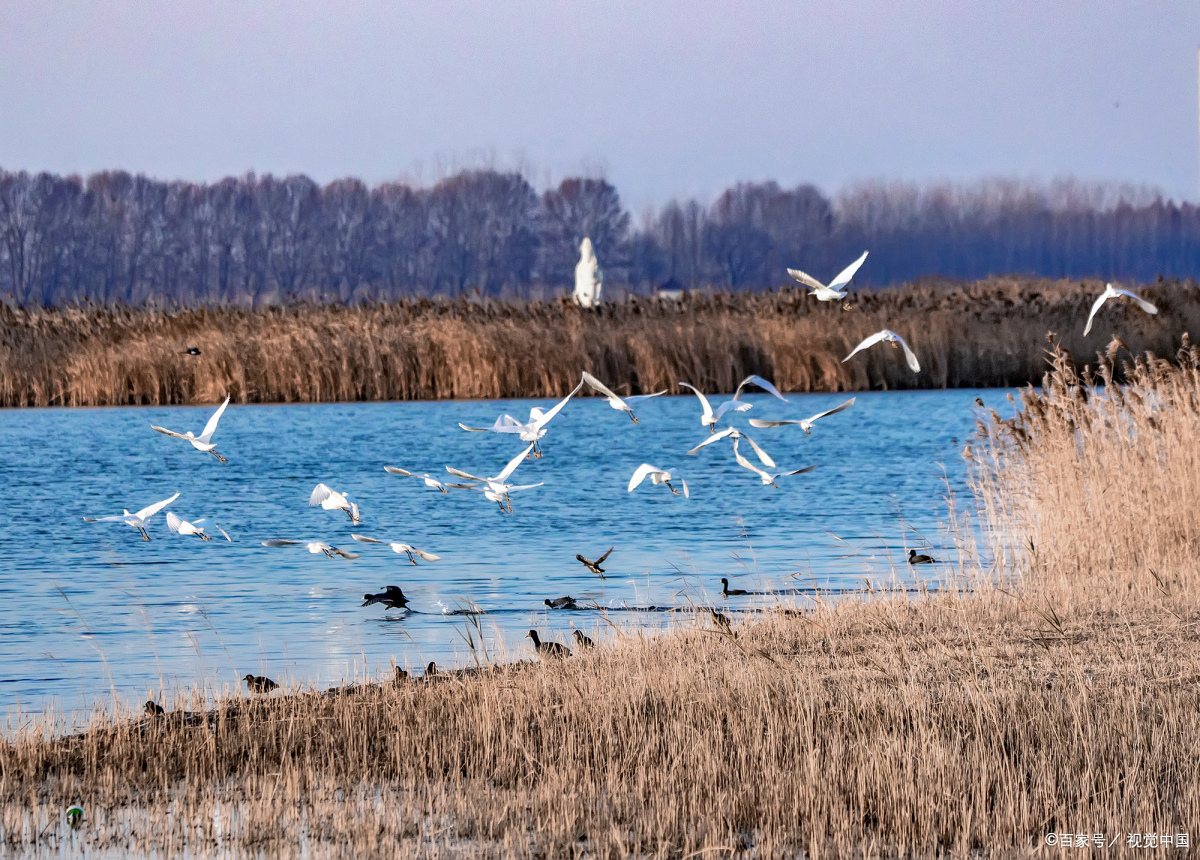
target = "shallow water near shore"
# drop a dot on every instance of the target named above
(89, 609)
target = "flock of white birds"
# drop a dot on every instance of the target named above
(499, 488)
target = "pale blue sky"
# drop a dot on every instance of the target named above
(665, 98)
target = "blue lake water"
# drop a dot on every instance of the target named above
(89, 609)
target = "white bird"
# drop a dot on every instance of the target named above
(710, 416)
(833, 291)
(658, 476)
(892, 338)
(768, 478)
(736, 434)
(203, 442)
(805, 424)
(621, 404)
(313, 546)
(331, 500)
(429, 480)
(183, 527)
(398, 547)
(137, 520)
(761, 383)
(1111, 292)
(531, 432)
(497, 489)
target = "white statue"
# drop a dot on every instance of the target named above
(588, 278)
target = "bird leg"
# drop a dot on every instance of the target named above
(672, 489)
(328, 554)
(203, 536)
(213, 451)
(410, 556)
(633, 417)
(145, 535)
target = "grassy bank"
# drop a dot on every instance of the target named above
(1061, 694)
(986, 334)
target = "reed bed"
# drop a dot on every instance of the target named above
(984, 334)
(1058, 694)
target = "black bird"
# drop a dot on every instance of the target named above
(431, 670)
(726, 591)
(561, 603)
(913, 558)
(581, 640)
(260, 684)
(979, 401)
(400, 676)
(548, 649)
(153, 708)
(193, 350)
(721, 621)
(391, 597)
(594, 566)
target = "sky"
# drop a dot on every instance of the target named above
(665, 99)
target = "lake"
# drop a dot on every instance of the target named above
(90, 609)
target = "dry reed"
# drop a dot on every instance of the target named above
(1058, 695)
(984, 334)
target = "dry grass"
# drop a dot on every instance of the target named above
(1059, 694)
(985, 334)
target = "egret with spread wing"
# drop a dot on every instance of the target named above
(398, 547)
(497, 489)
(834, 290)
(658, 476)
(804, 424)
(534, 430)
(766, 386)
(203, 442)
(313, 546)
(621, 404)
(888, 337)
(331, 500)
(1111, 292)
(768, 478)
(429, 480)
(709, 417)
(736, 434)
(137, 520)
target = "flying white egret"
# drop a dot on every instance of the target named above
(710, 416)
(331, 500)
(183, 527)
(137, 520)
(736, 434)
(768, 478)
(531, 432)
(658, 476)
(761, 383)
(398, 547)
(429, 480)
(497, 489)
(203, 442)
(621, 404)
(804, 424)
(892, 338)
(1111, 292)
(313, 546)
(834, 290)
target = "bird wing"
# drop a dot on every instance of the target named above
(704, 404)
(847, 273)
(683, 483)
(909, 355)
(761, 383)
(802, 471)
(462, 486)
(806, 279)
(734, 405)
(364, 538)
(428, 556)
(319, 494)
(746, 464)
(1100, 300)
(869, 342)
(211, 426)
(545, 417)
(461, 474)
(147, 512)
(222, 531)
(344, 554)
(463, 426)
(758, 422)
(637, 398)
(116, 518)
(762, 455)
(596, 385)
(721, 434)
(396, 470)
(282, 542)
(167, 432)
(174, 523)
(1145, 305)
(841, 407)
(640, 474)
(601, 559)
(511, 467)
(524, 487)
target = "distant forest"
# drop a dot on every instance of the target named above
(119, 238)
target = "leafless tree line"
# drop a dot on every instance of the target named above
(117, 237)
